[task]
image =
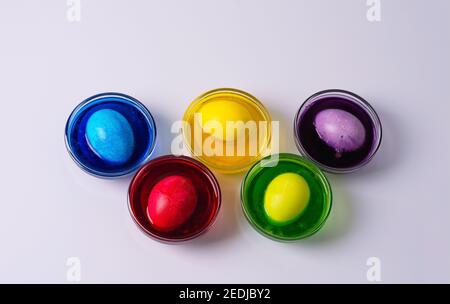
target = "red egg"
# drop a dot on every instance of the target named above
(171, 202)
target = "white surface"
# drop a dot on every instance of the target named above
(165, 53)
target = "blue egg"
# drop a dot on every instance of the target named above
(110, 136)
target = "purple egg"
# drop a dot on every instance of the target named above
(340, 130)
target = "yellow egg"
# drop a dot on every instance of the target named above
(218, 113)
(286, 197)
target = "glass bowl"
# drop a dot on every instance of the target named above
(238, 148)
(258, 179)
(207, 190)
(332, 155)
(110, 123)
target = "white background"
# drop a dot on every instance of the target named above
(167, 52)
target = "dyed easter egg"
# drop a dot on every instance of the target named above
(110, 136)
(340, 130)
(171, 202)
(215, 116)
(286, 197)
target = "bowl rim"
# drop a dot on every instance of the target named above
(168, 158)
(135, 102)
(260, 106)
(360, 102)
(310, 166)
